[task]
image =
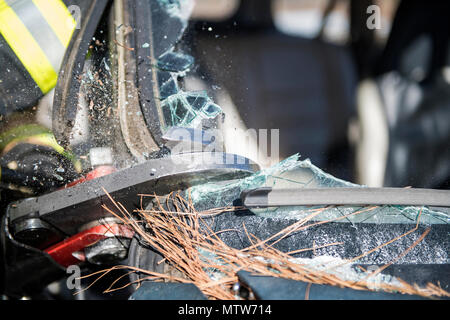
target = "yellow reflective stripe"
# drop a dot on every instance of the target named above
(58, 17)
(26, 48)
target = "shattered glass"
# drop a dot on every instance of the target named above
(187, 109)
(293, 173)
(335, 266)
(178, 108)
(360, 229)
(353, 235)
(167, 85)
(175, 62)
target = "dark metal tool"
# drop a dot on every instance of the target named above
(63, 215)
(268, 197)
(68, 209)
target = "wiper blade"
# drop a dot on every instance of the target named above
(269, 197)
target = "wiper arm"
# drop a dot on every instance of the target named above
(268, 197)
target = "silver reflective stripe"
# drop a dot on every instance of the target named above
(41, 31)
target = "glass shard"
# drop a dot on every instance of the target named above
(174, 62)
(188, 109)
(167, 83)
(293, 173)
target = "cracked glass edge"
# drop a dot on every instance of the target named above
(295, 173)
(171, 96)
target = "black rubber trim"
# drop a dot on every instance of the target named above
(65, 103)
(146, 80)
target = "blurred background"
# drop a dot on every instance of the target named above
(366, 100)
(360, 87)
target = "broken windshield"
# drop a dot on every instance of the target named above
(179, 108)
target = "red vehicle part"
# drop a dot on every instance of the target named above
(96, 173)
(71, 250)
